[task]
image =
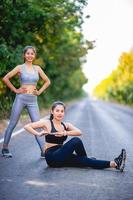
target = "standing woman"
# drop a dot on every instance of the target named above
(26, 95)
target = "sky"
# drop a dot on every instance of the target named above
(111, 26)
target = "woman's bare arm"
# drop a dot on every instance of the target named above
(71, 131)
(34, 125)
(44, 78)
(6, 78)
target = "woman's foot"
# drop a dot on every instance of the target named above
(120, 160)
(5, 153)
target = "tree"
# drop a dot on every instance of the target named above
(54, 28)
(119, 85)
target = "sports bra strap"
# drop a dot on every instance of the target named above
(22, 68)
(64, 126)
(53, 127)
(34, 68)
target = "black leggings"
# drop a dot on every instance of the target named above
(63, 155)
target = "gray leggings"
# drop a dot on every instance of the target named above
(30, 103)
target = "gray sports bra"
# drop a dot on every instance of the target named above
(28, 77)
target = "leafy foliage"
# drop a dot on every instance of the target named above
(119, 85)
(54, 28)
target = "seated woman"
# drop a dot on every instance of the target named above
(72, 153)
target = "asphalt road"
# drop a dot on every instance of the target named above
(106, 129)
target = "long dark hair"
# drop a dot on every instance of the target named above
(54, 105)
(26, 49)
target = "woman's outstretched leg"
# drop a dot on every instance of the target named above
(82, 161)
(79, 161)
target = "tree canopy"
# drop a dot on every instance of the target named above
(54, 28)
(119, 85)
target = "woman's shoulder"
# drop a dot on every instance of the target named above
(45, 121)
(70, 126)
(21, 65)
(37, 67)
(67, 124)
(18, 68)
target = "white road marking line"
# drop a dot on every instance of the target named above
(14, 134)
(19, 131)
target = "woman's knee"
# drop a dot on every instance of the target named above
(11, 126)
(76, 139)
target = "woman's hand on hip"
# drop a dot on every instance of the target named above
(36, 92)
(21, 90)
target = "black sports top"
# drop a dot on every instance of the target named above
(54, 139)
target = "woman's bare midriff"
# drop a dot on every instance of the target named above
(48, 145)
(29, 89)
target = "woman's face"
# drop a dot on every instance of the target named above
(58, 112)
(29, 55)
